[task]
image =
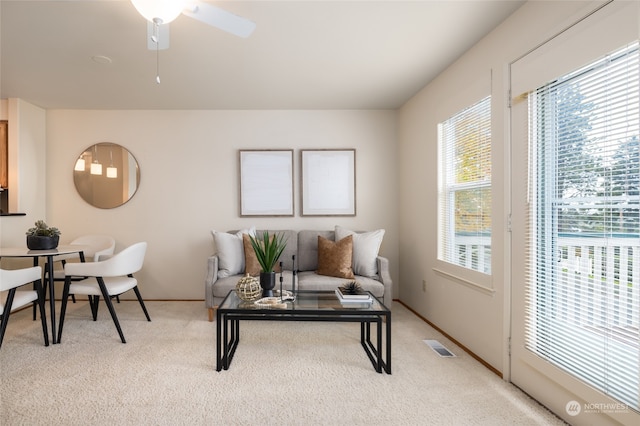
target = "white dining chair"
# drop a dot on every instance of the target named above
(10, 280)
(97, 246)
(107, 278)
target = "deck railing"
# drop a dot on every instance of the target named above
(605, 270)
(474, 252)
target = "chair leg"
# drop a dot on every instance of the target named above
(5, 313)
(93, 303)
(43, 317)
(63, 309)
(107, 300)
(35, 308)
(44, 292)
(73, 296)
(141, 302)
(44, 289)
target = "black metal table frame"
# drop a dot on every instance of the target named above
(52, 300)
(48, 274)
(228, 330)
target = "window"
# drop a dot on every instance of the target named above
(465, 188)
(583, 284)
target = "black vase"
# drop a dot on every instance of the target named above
(41, 242)
(267, 282)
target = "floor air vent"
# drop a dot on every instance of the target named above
(439, 348)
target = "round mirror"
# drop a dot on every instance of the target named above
(106, 175)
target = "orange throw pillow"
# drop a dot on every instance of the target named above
(251, 265)
(334, 258)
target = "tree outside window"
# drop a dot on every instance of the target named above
(465, 188)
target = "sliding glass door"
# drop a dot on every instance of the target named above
(576, 220)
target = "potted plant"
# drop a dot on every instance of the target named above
(42, 236)
(268, 250)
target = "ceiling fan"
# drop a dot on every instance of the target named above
(159, 13)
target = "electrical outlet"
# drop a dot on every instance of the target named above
(424, 285)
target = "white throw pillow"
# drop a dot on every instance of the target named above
(230, 251)
(366, 246)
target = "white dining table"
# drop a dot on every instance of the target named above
(49, 255)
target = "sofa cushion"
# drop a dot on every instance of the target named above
(230, 251)
(225, 285)
(308, 248)
(366, 246)
(335, 257)
(309, 280)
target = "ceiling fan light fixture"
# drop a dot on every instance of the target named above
(163, 11)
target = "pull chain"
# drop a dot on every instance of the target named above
(156, 39)
(157, 64)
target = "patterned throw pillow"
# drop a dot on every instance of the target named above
(334, 257)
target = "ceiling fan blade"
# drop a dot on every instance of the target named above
(162, 36)
(220, 18)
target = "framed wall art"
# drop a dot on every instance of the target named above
(328, 184)
(266, 182)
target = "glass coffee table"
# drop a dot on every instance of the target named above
(307, 306)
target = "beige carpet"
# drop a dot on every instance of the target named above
(283, 373)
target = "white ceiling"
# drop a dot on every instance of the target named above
(302, 55)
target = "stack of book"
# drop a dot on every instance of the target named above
(353, 297)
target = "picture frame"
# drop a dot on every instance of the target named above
(328, 182)
(266, 182)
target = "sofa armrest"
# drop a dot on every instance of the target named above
(385, 279)
(211, 278)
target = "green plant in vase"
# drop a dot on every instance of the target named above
(268, 250)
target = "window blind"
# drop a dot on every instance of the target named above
(465, 188)
(583, 246)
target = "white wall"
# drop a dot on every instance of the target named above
(189, 180)
(477, 318)
(27, 159)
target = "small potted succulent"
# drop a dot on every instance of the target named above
(42, 236)
(268, 250)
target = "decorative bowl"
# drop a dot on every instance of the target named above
(41, 242)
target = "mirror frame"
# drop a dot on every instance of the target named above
(102, 191)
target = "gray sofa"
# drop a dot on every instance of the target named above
(304, 245)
